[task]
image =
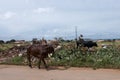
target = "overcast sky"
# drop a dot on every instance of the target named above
(27, 19)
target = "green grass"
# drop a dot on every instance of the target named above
(103, 58)
(4, 47)
(15, 61)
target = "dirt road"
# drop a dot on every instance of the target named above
(10, 72)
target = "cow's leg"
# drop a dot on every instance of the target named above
(29, 60)
(39, 63)
(77, 45)
(44, 63)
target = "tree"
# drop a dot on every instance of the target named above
(12, 40)
(2, 42)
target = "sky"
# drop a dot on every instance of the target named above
(27, 19)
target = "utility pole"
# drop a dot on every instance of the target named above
(76, 32)
(76, 36)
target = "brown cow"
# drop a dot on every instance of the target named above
(39, 51)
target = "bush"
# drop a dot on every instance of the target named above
(103, 58)
(15, 60)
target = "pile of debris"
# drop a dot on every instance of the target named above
(13, 52)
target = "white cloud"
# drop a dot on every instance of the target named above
(43, 10)
(7, 15)
(55, 18)
(27, 1)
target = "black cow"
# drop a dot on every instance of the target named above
(88, 44)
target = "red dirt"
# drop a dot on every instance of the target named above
(11, 72)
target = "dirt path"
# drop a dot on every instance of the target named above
(10, 72)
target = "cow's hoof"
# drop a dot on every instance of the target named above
(46, 67)
(38, 67)
(30, 66)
